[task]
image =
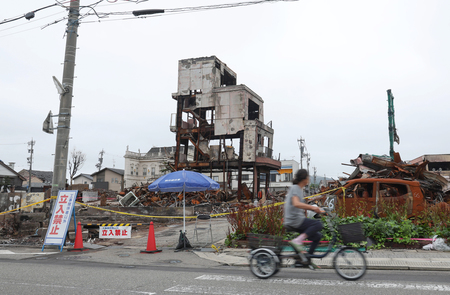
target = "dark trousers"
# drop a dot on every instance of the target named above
(311, 228)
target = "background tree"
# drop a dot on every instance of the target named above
(76, 162)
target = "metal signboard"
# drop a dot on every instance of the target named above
(59, 223)
(115, 232)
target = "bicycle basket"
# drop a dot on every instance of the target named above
(351, 233)
(256, 241)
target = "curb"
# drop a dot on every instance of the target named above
(233, 260)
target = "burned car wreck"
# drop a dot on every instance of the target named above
(378, 179)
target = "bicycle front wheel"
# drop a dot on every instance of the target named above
(349, 263)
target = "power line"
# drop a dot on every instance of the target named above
(28, 15)
(180, 10)
(59, 3)
(13, 143)
(32, 21)
(102, 15)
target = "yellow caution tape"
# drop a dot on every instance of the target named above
(9, 211)
(281, 203)
(131, 214)
(329, 191)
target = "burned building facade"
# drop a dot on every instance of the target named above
(223, 121)
(438, 163)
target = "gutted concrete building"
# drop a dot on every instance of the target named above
(438, 163)
(223, 121)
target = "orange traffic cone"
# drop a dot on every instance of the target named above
(78, 247)
(151, 244)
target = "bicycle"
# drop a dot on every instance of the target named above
(268, 253)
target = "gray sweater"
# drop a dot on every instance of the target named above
(294, 216)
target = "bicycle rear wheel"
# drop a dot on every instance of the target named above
(349, 263)
(263, 264)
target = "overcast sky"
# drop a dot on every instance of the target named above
(321, 67)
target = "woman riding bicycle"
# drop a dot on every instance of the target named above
(294, 215)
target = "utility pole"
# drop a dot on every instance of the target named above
(301, 146)
(315, 171)
(65, 106)
(308, 158)
(30, 161)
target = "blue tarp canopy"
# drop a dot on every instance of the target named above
(188, 181)
(183, 181)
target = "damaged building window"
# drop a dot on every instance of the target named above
(191, 101)
(226, 79)
(439, 166)
(209, 116)
(253, 110)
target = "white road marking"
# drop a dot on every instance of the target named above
(77, 287)
(7, 252)
(224, 290)
(375, 285)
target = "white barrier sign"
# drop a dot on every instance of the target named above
(115, 232)
(62, 213)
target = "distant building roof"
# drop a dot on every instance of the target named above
(84, 175)
(11, 170)
(117, 171)
(431, 158)
(45, 176)
(166, 151)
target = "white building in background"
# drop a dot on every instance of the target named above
(142, 168)
(83, 179)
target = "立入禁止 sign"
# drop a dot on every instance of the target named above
(115, 232)
(61, 216)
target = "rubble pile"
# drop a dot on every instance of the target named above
(222, 201)
(9, 227)
(435, 187)
(175, 199)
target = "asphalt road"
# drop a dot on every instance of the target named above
(67, 274)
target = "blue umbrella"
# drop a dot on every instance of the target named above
(183, 181)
